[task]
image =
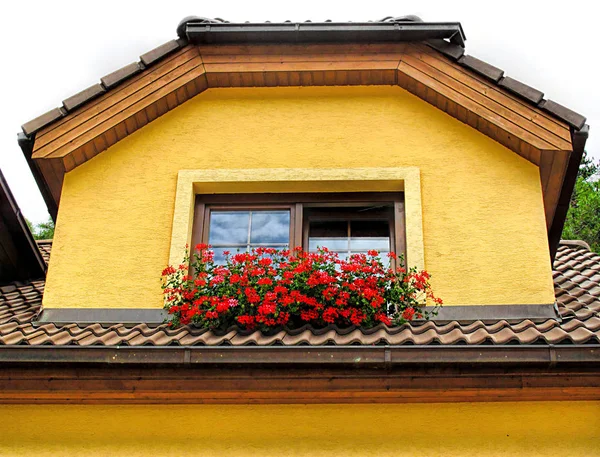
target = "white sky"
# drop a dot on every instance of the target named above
(53, 49)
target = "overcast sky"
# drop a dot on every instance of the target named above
(53, 49)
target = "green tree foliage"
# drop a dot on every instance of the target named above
(43, 230)
(583, 218)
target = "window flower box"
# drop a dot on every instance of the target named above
(267, 288)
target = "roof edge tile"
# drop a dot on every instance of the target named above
(161, 51)
(522, 90)
(86, 95)
(572, 118)
(116, 77)
(483, 68)
(29, 128)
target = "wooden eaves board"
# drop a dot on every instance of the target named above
(516, 124)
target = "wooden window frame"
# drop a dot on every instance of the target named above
(297, 204)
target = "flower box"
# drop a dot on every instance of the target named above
(268, 288)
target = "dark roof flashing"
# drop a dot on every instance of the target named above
(200, 31)
(450, 50)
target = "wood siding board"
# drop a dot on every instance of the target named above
(126, 114)
(322, 58)
(115, 100)
(554, 183)
(69, 162)
(120, 130)
(270, 78)
(260, 386)
(481, 98)
(111, 136)
(235, 80)
(141, 119)
(130, 125)
(181, 95)
(219, 51)
(246, 79)
(466, 103)
(318, 78)
(53, 181)
(524, 150)
(547, 157)
(100, 144)
(125, 86)
(300, 66)
(89, 150)
(535, 155)
(171, 99)
(190, 90)
(495, 93)
(78, 156)
(162, 107)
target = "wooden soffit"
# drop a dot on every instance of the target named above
(473, 99)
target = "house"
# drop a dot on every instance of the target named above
(306, 130)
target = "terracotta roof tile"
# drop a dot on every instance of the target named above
(576, 281)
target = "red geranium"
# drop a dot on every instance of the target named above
(266, 288)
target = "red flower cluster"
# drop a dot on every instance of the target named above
(267, 288)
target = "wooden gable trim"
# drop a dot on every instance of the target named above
(426, 73)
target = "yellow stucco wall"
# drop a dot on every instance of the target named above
(561, 429)
(483, 222)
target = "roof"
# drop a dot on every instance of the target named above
(19, 257)
(425, 58)
(576, 282)
(197, 30)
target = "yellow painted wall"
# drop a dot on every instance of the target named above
(483, 222)
(560, 429)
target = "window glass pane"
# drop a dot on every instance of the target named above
(367, 228)
(343, 255)
(364, 244)
(328, 229)
(333, 244)
(220, 257)
(329, 234)
(270, 227)
(228, 227)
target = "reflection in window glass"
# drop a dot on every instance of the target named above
(242, 230)
(349, 236)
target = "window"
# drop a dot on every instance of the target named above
(346, 223)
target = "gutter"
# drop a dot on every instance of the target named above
(354, 356)
(200, 31)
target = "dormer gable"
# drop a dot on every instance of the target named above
(427, 59)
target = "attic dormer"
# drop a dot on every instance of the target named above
(466, 171)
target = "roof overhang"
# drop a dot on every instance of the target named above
(303, 374)
(20, 258)
(427, 59)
